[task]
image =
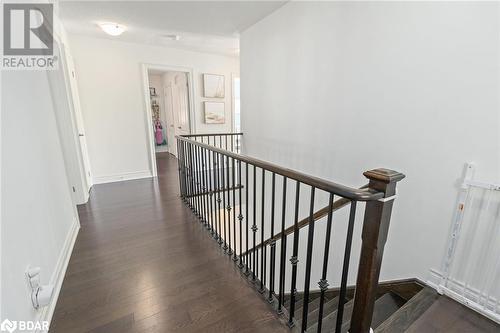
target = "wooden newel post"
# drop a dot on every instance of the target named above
(374, 235)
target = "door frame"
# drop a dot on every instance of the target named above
(145, 67)
(233, 101)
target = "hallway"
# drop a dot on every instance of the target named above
(143, 263)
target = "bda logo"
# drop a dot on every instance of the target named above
(8, 326)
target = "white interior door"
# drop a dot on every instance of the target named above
(180, 106)
(170, 119)
(79, 121)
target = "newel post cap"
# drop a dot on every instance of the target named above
(384, 175)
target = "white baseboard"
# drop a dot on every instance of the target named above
(122, 177)
(46, 313)
(434, 279)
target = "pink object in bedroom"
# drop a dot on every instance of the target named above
(158, 133)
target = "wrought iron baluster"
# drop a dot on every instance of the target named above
(310, 240)
(247, 225)
(183, 166)
(272, 244)
(197, 183)
(281, 286)
(211, 189)
(262, 215)
(200, 189)
(224, 204)
(323, 283)
(179, 167)
(185, 157)
(191, 176)
(180, 161)
(294, 259)
(345, 268)
(240, 216)
(200, 184)
(254, 226)
(219, 218)
(205, 189)
(206, 173)
(228, 182)
(235, 258)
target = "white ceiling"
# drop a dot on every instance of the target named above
(210, 26)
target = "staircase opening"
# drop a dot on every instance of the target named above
(264, 217)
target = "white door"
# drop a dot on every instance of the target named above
(169, 110)
(79, 121)
(180, 106)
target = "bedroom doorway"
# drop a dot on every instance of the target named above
(169, 110)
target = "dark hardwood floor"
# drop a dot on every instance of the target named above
(446, 315)
(143, 263)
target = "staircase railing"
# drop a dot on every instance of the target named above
(220, 185)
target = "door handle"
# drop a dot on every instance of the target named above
(80, 134)
(179, 127)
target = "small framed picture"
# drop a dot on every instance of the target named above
(214, 113)
(152, 91)
(213, 86)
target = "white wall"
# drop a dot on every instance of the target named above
(111, 92)
(335, 89)
(39, 222)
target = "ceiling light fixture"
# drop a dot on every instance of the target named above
(113, 29)
(172, 37)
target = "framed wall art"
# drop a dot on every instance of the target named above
(213, 86)
(214, 113)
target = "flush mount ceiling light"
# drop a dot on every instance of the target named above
(172, 37)
(113, 29)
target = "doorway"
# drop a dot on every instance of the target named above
(169, 110)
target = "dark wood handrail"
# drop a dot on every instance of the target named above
(316, 216)
(379, 196)
(364, 194)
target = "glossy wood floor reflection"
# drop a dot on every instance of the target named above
(143, 263)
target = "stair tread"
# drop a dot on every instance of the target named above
(299, 299)
(385, 306)
(313, 310)
(330, 320)
(400, 320)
